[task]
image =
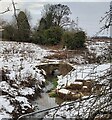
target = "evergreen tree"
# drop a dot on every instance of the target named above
(23, 27)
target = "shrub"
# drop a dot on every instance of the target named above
(8, 32)
(38, 37)
(74, 40)
(51, 36)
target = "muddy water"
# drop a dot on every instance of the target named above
(45, 101)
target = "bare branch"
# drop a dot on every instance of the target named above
(7, 10)
(107, 20)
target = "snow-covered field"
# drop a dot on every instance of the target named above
(99, 48)
(21, 78)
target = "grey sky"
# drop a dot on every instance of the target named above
(88, 13)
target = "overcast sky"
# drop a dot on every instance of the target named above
(89, 12)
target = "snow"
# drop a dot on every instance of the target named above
(79, 109)
(4, 115)
(21, 60)
(26, 91)
(99, 48)
(21, 99)
(84, 86)
(23, 102)
(5, 105)
(13, 54)
(12, 75)
(80, 83)
(85, 107)
(83, 72)
(79, 59)
(64, 91)
(5, 87)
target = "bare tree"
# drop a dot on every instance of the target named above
(106, 20)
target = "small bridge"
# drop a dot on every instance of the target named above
(53, 69)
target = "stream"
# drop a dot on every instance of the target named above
(44, 102)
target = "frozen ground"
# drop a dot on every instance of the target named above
(99, 48)
(83, 72)
(19, 65)
(89, 105)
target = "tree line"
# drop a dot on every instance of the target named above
(53, 28)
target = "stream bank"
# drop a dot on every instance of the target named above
(45, 101)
